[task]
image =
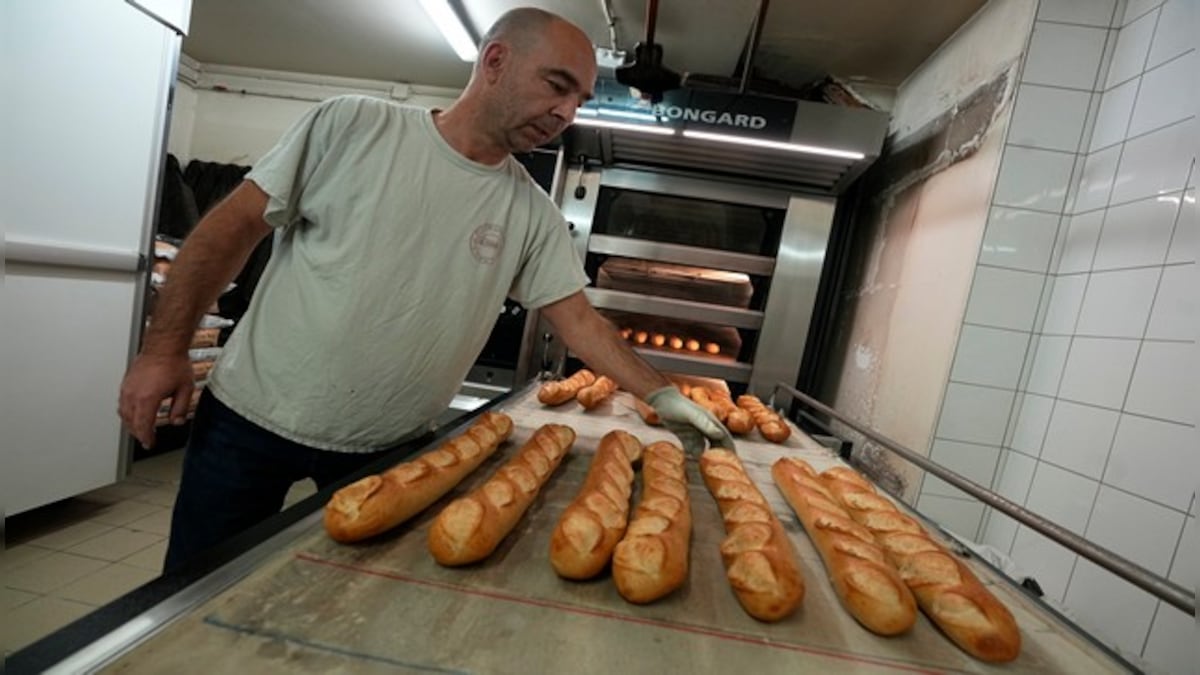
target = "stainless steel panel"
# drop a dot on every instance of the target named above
(680, 254)
(673, 308)
(696, 188)
(579, 210)
(841, 128)
(685, 364)
(793, 293)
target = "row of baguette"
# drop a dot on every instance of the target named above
(740, 418)
(882, 563)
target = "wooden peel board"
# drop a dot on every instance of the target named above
(386, 606)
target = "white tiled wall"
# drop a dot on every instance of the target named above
(1074, 386)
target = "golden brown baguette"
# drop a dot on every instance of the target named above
(647, 412)
(702, 397)
(592, 524)
(949, 594)
(652, 560)
(471, 527)
(759, 560)
(738, 421)
(770, 425)
(594, 394)
(866, 582)
(378, 503)
(561, 391)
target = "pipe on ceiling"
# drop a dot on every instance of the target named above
(755, 36)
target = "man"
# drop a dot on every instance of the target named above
(399, 231)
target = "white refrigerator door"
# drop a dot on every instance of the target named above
(86, 86)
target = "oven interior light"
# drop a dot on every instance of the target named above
(775, 145)
(450, 24)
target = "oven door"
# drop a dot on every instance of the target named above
(704, 278)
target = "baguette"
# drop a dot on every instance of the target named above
(471, 527)
(594, 394)
(759, 560)
(946, 590)
(738, 421)
(866, 583)
(378, 503)
(591, 526)
(647, 412)
(558, 393)
(770, 424)
(651, 561)
(703, 398)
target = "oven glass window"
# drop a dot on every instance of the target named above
(692, 222)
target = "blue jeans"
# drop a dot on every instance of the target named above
(236, 474)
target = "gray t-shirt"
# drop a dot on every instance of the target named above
(393, 256)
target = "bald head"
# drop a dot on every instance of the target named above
(526, 28)
(534, 70)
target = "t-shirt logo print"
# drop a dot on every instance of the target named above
(487, 241)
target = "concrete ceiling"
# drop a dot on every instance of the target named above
(879, 42)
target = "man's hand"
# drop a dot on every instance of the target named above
(688, 421)
(151, 379)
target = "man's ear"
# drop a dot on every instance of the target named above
(493, 60)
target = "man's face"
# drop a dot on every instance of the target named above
(542, 86)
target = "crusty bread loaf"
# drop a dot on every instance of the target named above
(647, 412)
(866, 582)
(594, 394)
(735, 419)
(471, 527)
(592, 524)
(561, 391)
(770, 425)
(759, 560)
(702, 397)
(949, 594)
(652, 559)
(378, 503)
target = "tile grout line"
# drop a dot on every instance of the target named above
(1146, 325)
(1100, 482)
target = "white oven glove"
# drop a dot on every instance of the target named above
(687, 420)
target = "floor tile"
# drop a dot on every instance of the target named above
(19, 556)
(123, 513)
(34, 620)
(158, 523)
(116, 544)
(11, 598)
(53, 571)
(159, 496)
(105, 585)
(71, 535)
(149, 558)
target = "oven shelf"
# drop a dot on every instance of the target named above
(686, 364)
(688, 310)
(680, 254)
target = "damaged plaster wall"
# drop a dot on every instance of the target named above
(920, 224)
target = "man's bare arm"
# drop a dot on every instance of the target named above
(210, 258)
(595, 340)
(212, 255)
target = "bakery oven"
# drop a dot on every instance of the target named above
(701, 277)
(705, 235)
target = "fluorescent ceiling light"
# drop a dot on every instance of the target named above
(622, 126)
(776, 145)
(451, 27)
